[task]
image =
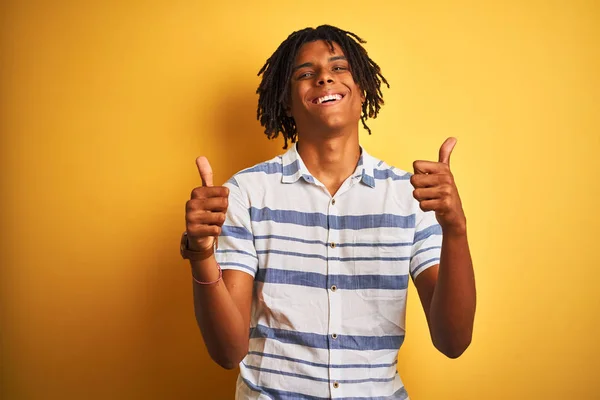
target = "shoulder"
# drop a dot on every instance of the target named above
(383, 171)
(395, 182)
(272, 167)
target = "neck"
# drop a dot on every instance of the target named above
(331, 160)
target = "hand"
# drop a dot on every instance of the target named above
(435, 190)
(205, 211)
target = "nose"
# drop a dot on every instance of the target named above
(325, 77)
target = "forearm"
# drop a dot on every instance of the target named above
(452, 310)
(223, 328)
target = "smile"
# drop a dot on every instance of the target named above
(330, 98)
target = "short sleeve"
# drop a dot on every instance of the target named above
(236, 243)
(427, 243)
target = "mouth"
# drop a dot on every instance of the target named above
(328, 99)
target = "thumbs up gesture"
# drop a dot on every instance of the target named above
(435, 190)
(205, 211)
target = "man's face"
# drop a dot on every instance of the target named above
(323, 94)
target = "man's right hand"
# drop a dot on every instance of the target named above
(205, 211)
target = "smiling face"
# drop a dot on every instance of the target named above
(324, 99)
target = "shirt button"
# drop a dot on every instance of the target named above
(334, 335)
(333, 288)
(332, 245)
(333, 202)
(336, 385)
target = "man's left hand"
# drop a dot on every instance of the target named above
(435, 190)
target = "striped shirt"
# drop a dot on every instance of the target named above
(330, 277)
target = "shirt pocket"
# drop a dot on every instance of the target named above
(381, 265)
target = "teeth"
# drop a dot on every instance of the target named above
(329, 97)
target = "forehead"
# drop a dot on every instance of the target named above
(317, 49)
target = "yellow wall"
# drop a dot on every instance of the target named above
(105, 105)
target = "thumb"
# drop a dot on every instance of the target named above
(205, 170)
(446, 150)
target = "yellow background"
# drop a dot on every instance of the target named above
(105, 105)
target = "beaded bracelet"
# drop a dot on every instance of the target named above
(210, 283)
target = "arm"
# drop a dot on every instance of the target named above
(447, 291)
(223, 311)
(222, 308)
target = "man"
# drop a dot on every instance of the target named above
(307, 290)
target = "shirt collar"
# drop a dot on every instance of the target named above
(294, 168)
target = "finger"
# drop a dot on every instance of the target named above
(430, 180)
(205, 170)
(200, 217)
(207, 192)
(215, 204)
(428, 193)
(202, 231)
(431, 205)
(430, 167)
(446, 150)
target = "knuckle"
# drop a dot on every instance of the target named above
(196, 192)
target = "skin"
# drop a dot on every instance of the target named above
(328, 144)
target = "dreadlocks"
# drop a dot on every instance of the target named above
(274, 87)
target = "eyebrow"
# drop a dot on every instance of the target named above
(309, 64)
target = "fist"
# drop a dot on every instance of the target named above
(205, 210)
(435, 190)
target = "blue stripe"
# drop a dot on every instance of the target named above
(267, 168)
(314, 378)
(380, 244)
(234, 264)
(296, 239)
(423, 264)
(390, 174)
(291, 169)
(347, 282)
(237, 252)
(271, 168)
(354, 222)
(238, 232)
(232, 181)
(320, 257)
(322, 365)
(425, 233)
(400, 394)
(273, 371)
(281, 394)
(315, 340)
(290, 238)
(368, 179)
(426, 249)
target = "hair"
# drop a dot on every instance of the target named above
(273, 90)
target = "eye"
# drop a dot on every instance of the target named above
(303, 75)
(339, 68)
